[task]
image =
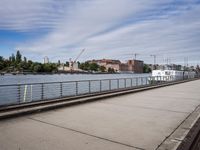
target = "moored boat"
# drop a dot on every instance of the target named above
(171, 75)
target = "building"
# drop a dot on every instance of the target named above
(75, 66)
(124, 67)
(46, 60)
(108, 63)
(135, 66)
(62, 67)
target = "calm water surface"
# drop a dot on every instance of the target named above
(15, 79)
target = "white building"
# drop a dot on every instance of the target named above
(63, 68)
(46, 60)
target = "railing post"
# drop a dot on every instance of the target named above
(124, 83)
(117, 83)
(61, 89)
(100, 84)
(31, 92)
(157, 81)
(42, 91)
(110, 84)
(137, 81)
(25, 93)
(89, 86)
(76, 87)
(142, 81)
(19, 93)
(131, 82)
(146, 80)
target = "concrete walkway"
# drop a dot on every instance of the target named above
(144, 120)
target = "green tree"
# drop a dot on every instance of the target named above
(37, 68)
(25, 59)
(59, 63)
(13, 58)
(93, 67)
(85, 66)
(19, 66)
(18, 57)
(111, 70)
(102, 69)
(47, 68)
(1, 59)
(146, 68)
(67, 64)
(1, 63)
(54, 67)
(29, 64)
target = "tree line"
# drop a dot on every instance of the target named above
(94, 67)
(18, 63)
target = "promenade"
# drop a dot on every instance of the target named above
(148, 120)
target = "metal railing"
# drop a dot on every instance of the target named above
(26, 93)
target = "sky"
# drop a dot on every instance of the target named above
(115, 29)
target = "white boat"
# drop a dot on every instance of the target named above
(171, 75)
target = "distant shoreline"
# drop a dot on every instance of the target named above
(46, 73)
(66, 73)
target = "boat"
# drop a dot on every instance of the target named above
(171, 75)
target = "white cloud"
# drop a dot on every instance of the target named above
(26, 15)
(106, 28)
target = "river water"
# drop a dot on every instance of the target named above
(24, 79)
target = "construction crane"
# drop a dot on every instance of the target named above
(134, 55)
(73, 64)
(154, 58)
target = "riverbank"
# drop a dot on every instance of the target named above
(58, 73)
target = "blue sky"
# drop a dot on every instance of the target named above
(113, 29)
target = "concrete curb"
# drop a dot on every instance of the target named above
(182, 138)
(25, 109)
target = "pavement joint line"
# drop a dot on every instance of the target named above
(177, 127)
(151, 108)
(194, 99)
(84, 133)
